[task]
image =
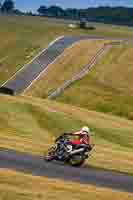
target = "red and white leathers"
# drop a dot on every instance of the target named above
(84, 138)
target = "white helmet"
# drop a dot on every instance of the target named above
(85, 130)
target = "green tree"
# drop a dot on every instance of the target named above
(55, 11)
(8, 6)
(72, 13)
(42, 10)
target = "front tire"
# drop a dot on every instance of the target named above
(50, 155)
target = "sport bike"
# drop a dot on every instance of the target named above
(63, 150)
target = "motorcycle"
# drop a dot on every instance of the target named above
(64, 151)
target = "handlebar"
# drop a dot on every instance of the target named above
(64, 136)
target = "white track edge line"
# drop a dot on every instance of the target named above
(69, 47)
(32, 60)
(49, 66)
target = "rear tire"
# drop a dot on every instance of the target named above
(75, 161)
(48, 158)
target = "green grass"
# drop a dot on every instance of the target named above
(31, 125)
(14, 186)
(22, 37)
(108, 86)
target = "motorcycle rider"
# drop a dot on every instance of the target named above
(72, 145)
(83, 137)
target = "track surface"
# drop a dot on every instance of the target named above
(23, 79)
(37, 167)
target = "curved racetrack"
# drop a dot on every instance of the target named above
(27, 74)
(38, 167)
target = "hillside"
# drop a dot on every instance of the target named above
(68, 64)
(102, 100)
(108, 86)
(22, 37)
(30, 125)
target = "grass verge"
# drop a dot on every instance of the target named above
(14, 186)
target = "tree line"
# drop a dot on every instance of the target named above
(8, 7)
(120, 15)
(113, 15)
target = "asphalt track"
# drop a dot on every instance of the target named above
(18, 83)
(23, 78)
(36, 166)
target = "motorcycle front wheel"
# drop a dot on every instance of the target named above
(51, 154)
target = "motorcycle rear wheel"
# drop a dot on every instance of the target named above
(76, 161)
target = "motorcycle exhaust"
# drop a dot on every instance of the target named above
(76, 151)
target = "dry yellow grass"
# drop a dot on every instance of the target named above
(30, 145)
(70, 63)
(14, 186)
(108, 86)
(116, 69)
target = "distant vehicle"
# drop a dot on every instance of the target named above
(65, 152)
(85, 24)
(72, 25)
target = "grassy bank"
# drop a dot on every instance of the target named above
(14, 186)
(108, 86)
(31, 125)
